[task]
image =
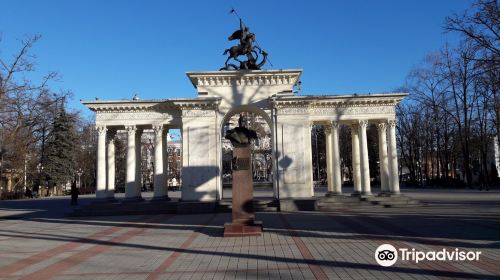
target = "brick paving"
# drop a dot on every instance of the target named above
(301, 245)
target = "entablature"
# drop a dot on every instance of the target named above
(339, 108)
(244, 78)
(337, 101)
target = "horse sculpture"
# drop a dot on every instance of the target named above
(249, 64)
(246, 47)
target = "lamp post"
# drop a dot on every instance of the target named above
(39, 167)
(25, 174)
(2, 152)
(79, 172)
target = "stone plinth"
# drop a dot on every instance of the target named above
(238, 230)
(242, 213)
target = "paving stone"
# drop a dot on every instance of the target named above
(299, 245)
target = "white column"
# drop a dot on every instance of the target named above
(101, 162)
(138, 162)
(337, 179)
(159, 187)
(383, 161)
(393, 158)
(329, 158)
(182, 154)
(130, 187)
(111, 163)
(164, 140)
(308, 166)
(274, 174)
(356, 163)
(365, 167)
(333, 159)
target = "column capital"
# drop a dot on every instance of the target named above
(382, 126)
(335, 124)
(101, 129)
(158, 129)
(354, 126)
(111, 134)
(363, 123)
(327, 128)
(391, 123)
(131, 129)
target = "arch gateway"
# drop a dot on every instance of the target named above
(268, 93)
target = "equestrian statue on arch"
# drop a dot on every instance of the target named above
(247, 47)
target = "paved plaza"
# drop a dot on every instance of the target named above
(37, 241)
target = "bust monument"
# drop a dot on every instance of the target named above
(243, 217)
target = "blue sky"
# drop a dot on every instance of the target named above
(112, 49)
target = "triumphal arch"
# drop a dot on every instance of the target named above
(269, 93)
(245, 88)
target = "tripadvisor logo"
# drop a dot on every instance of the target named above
(387, 255)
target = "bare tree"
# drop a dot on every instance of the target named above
(481, 25)
(461, 74)
(27, 109)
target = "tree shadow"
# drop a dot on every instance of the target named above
(211, 225)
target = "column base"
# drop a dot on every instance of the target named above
(102, 194)
(161, 198)
(111, 195)
(395, 194)
(365, 193)
(133, 199)
(328, 194)
(356, 194)
(104, 200)
(384, 193)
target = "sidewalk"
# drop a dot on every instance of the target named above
(306, 245)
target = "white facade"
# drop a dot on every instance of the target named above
(222, 94)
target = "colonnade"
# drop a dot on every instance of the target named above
(106, 163)
(388, 158)
(389, 180)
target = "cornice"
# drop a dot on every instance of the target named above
(121, 106)
(197, 104)
(341, 101)
(244, 78)
(127, 106)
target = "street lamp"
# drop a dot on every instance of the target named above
(39, 167)
(79, 172)
(2, 152)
